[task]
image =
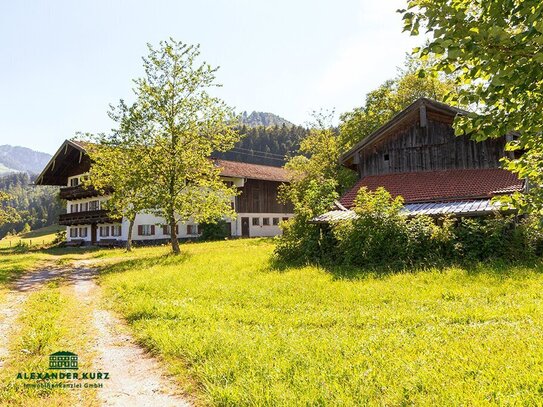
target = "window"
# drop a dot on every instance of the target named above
(166, 230)
(266, 221)
(146, 230)
(83, 207)
(104, 231)
(191, 230)
(74, 208)
(386, 157)
(73, 232)
(74, 182)
(94, 205)
(285, 219)
(83, 232)
(275, 221)
(116, 230)
(200, 229)
(256, 221)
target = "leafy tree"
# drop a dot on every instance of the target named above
(316, 177)
(389, 99)
(116, 169)
(8, 214)
(179, 125)
(38, 206)
(495, 50)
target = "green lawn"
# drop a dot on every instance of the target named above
(33, 239)
(235, 331)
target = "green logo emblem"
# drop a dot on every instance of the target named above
(63, 360)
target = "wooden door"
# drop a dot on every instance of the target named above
(245, 227)
(94, 227)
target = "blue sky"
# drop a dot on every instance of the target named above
(63, 62)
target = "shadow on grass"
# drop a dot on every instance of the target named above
(498, 268)
(147, 262)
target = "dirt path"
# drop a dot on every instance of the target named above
(136, 379)
(15, 298)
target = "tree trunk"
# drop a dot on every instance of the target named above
(173, 236)
(129, 238)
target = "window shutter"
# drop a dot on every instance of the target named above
(152, 229)
(140, 230)
(176, 229)
(164, 229)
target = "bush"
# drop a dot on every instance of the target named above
(303, 242)
(218, 230)
(382, 235)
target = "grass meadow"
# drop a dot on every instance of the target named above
(234, 330)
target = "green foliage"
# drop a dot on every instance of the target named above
(265, 145)
(382, 236)
(218, 230)
(169, 134)
(316, 177)
(389, 99)
(494, 49)
(234, 332)
(23, 203)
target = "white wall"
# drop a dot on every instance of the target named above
(261, 230)
(150, 219)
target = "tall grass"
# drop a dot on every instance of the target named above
(238, 332)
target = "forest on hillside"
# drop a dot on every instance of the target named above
(37, 206)
(266, 145)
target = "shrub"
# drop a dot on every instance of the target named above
(382, 235)
(218, 230)
(303, 242)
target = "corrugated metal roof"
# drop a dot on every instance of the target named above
(455, 208)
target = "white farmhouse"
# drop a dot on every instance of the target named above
(87, 222)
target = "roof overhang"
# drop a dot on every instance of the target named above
(48, 175)
(416, 110)
(471, 208)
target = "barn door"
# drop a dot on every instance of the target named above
(245, 227)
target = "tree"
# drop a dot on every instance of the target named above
(116, 169)
(389, 99)
(179, 125)
(495, 50)
(316, 176)
(8, 214)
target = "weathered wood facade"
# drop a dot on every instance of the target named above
(421, 138)
(433, 147)
(259, 196)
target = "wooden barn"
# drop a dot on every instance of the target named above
(417, 155)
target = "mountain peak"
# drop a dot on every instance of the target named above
(263, 119)
(21, 159)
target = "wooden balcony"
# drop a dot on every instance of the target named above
(85, 218)
(77, 192)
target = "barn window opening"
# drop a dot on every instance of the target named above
(387, 157)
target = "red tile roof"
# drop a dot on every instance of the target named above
(234, 168)
(436, 186)
(252, 171)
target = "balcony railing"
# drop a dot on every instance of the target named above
(85, 218)
(77, 192)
